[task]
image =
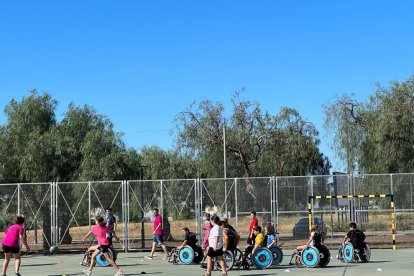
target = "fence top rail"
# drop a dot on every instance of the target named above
(310, 176)
(164, 180)
(25, 183)
(383, 174)
(87, 182)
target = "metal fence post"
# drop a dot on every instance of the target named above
(18, 199)
(52, 213)
(89, 204)
(197, 198)
(236, 202)
(162, 203)
(276, 201)
(125, 215)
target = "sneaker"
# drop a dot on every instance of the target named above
(148, 257)
(118, 273)
(87, 272)
(17, 274)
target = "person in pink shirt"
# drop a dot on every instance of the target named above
(158, 232)
(11, 245)
(100, 231)
(207, 228)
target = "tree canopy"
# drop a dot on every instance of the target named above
(257, 142)
(375, 136)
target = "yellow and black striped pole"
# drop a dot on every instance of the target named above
(310, 213)
(393, 222)
(358, 196)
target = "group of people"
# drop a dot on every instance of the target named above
(355, 236)
(219, 236)
(104, 231)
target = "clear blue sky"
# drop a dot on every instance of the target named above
(142, 62)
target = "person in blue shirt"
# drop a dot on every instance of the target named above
(111, 223)
(270, 236)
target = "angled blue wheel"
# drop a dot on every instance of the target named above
(101, 260)
(262, 258)
(310, 257)
(186, 255)
(277, 255)
(348, 252)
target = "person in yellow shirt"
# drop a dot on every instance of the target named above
(259, 241)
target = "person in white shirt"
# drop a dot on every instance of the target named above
(215, 247)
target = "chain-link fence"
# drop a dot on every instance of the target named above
(62, 213)
(32, 200)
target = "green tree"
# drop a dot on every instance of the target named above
(388, 146)
(83, 146)
(344, 122)
(30, 156)
(257, 143)
(376, 136)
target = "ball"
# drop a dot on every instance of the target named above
(53, 249)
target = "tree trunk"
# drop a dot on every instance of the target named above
(64, 235)
(46, 227)
(246, 173)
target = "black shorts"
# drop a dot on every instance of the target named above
(11, 249)
(104, 248)
(109, 237)
(214, 253)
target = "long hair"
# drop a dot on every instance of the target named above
(315, 228)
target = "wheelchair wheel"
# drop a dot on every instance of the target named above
(365, 254)
(186, 255)
(228, 258)
(101, 260)
(348, 252)
(277, 255)
(310, 256)
(325, 255)
(238, 258)
(262, 258)
(86, 261)
(198, 254)
(340, 255)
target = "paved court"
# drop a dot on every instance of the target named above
(383, 262)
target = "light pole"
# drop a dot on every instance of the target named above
(141, 177)
(225, 167)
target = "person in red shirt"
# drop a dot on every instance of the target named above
(158, 232)
(254, 222)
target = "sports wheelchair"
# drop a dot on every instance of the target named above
(312, 256)
(186, 255)
(349, 254)
(261, 258)
(100, 258)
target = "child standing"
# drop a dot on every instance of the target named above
(11, 244)
(100, 231)
(215, 247)
(207, 229)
